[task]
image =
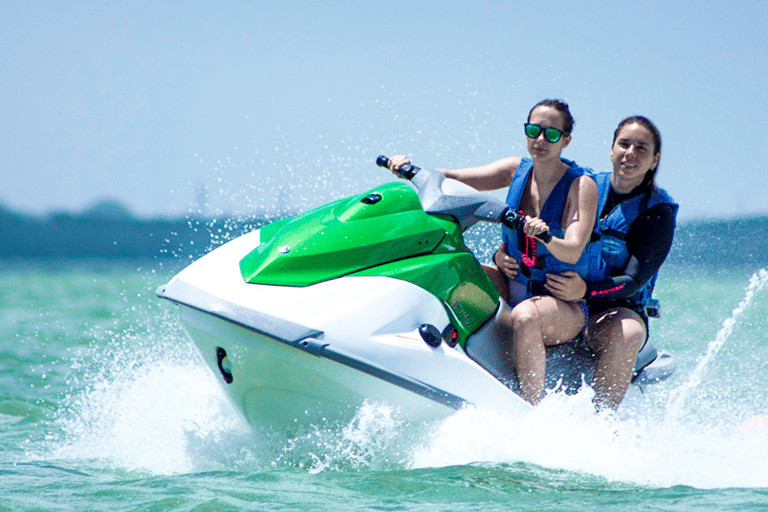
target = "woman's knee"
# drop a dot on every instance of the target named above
(634, 334)
(524, 315)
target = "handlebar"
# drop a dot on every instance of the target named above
(499, 212)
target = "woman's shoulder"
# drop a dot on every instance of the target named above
(661, 196)
(662, 213)
(573, 167)
(512, 164)
(584, 183)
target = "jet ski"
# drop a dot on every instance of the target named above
(374, 298)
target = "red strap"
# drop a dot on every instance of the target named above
(596, 293)
(529, 258)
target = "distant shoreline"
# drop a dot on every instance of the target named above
(109, 230)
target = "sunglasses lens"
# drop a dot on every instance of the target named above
(532, 130)
(552, 134)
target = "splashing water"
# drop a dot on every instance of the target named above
(634, 445)
(147, 402)
(374, 438)
(678, 396)
(564, 433)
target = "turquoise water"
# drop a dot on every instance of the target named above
(106, 406)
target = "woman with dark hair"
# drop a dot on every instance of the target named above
(636, 226)
(553, 194)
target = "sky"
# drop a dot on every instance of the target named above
(235, 107)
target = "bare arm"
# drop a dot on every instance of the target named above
(578, 218)
(493, 176)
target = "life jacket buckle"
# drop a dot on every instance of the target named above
(535, 288)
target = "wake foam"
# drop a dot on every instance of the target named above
(564, 433)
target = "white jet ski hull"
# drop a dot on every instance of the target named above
(312, 355)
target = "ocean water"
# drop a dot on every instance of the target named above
(105, 405)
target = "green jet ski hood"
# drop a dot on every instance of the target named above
(382, 225)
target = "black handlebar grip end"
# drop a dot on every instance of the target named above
(382, 161)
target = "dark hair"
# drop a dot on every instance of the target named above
(562, 107)
(650, 177)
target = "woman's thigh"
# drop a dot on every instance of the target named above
(560, 320)
(618, 325)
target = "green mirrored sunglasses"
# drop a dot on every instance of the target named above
(551, 134)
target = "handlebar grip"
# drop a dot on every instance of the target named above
(514, 220)
(406, 171)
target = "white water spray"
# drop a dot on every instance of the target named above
(679, 395)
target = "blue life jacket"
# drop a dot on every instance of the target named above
(534, 277)
(612, 232)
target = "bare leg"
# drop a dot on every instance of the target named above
(616, 336)
(538, 322)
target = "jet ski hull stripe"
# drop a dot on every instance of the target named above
(407, 383)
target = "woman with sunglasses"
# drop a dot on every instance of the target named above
(554, 194)
(637, 223)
